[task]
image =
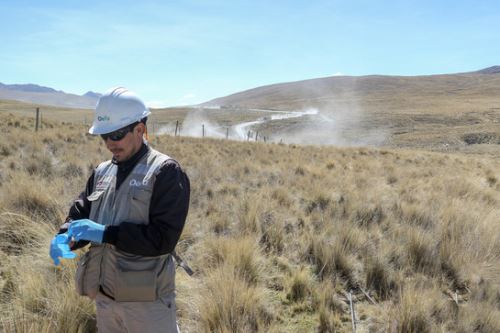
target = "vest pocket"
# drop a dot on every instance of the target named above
(139, 205)
(141, 194)
(87, 275)
(135, 286)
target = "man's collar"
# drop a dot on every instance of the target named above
(133, 160)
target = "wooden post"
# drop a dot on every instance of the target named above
(248, 136)
(37, 119)
(353, 314)
(176, 127)
(227, 133)
(256, 135)
(203, 130)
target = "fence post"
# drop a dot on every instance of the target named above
(37, 119)
(203, 130)
(256, 135)
(353, 314)
(176, 127)
(227, 132)
(248, 136)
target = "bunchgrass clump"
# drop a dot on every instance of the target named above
(277, 235)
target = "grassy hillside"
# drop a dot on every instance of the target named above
(441, 112)
(374, 92)
(31, 93)
(454, 112)
(278, 235)
(49, 113)
(470, 130)
(165, 118)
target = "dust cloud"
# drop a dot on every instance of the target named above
(340, 124)
(333, 124)
(195, 124)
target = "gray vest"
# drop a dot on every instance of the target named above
(126, 277)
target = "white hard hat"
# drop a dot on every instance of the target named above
(117, 108)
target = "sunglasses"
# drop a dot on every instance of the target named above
(119, 133)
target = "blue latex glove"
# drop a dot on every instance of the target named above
(59, 248)
(86, 229)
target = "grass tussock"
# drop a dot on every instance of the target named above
(35, 295)
(231, 304)
(328, 322)
(277, 235)
(33, 199)
(240, 254)
(18, 233)
(334, 255)
(299, 286)
(411, 314)
(380, 277)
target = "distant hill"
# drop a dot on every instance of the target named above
(26, 87)
(36, 94)
(372, 92)
(490, 70)
(92, 94)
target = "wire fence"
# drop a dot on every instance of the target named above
(175, 128)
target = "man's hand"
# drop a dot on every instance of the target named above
(86, 229)
(59, 248)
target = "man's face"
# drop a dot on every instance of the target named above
(125, 148)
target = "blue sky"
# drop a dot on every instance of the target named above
(187, 52)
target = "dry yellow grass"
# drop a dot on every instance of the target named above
(431, 113)
(277, 235)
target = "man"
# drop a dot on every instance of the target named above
(132, 213)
